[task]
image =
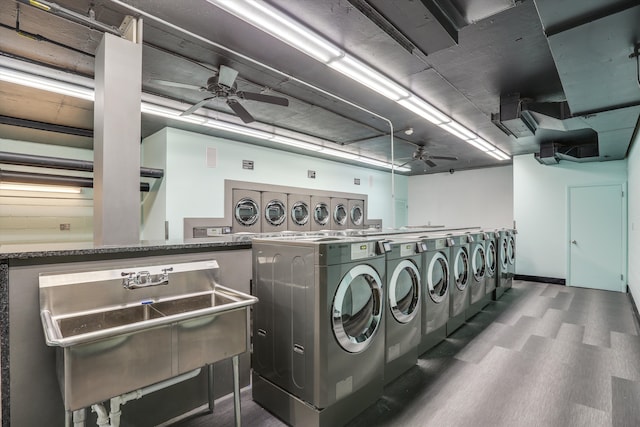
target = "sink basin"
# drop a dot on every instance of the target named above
(113, 340)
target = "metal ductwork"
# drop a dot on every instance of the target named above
(552, 152)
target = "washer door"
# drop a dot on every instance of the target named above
(300, 213)
(340, 214)
(491, 258)
(504, 253)
(321, 214)
(404, 291)
(438, 277)
(461, 268)
(356, 215)
(357, 308)
(247, 211)
(478, 263)
(511, 250)
(275, 213)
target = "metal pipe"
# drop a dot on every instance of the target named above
(66, 164)
(236, 391)
(277, 71)
(71, 15)
(48, 179)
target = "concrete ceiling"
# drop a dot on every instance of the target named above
(548, 50)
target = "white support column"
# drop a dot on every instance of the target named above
(118, 83)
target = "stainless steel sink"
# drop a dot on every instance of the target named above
(113, 339)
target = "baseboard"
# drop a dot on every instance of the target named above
(636, 314)
(552, 280)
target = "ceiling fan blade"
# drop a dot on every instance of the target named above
(240, 111)
(175, 84)
(405, 163)
(227, 76)
(197, 106)
(443, 157)
(430, 163)
(252, 96)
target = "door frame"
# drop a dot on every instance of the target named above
(624, 267)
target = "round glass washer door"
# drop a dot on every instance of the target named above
(340, 214)
(504, 253)
(491, 258)
(404, 291)
(461, 268)
(321, 214)
(511, 250)
(300, 213)
(247, 211)
(275, 213)
(356, 215)
(357, 308)
(438, 277)
(478, 262)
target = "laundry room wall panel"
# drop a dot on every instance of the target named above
(480, 197)
(540, 209)
(633, 169)
(192, 189)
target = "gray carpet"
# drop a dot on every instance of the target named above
(544, 355)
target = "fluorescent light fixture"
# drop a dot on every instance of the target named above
(40, 188)
(282, 27)
(296, 143)
(279, 25)
(476, 144)
(369, 77)
(45, 83)
(481, 142)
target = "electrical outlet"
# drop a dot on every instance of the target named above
(65, 227)
(311, 174)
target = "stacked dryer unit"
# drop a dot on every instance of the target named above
(491, 253)
(460, 280)
(403, 305)
(320, 213)
(275, 212)
(300, 215)
(246, 211)
(318, 328)
(436, 281)
(478, 260)
(339, 213)
(355, 209)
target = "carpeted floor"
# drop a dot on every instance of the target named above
(543, 355)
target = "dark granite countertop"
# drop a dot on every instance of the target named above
(44, 250)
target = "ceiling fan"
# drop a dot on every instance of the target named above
(224, 86)
(423, 156)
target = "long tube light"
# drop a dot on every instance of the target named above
(40, 188)
(279, 25)
(70, 89)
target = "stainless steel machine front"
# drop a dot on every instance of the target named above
(321, 213)
(477, 283)
(318, 338)
(246, 211)
(491, 252)
(299, 212)
(274, 212)
(460, 280)
(506, 262)
(339, 213)
(356, 213)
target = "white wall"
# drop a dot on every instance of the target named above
(480, 197)
(195, 190)
(540, 209)
(27, 217)
(634, 219)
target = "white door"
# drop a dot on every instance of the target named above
(596, 237)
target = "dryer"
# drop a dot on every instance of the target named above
(320, 213)
(435, 296)
(318, 328)
(460, 279)
(299, 212)
(504, 279)
(511, 256)
(274, 212)
(339, 213)
(246, 211)
(403, 306)
(355, 209)
(477, 280)
(491, 253)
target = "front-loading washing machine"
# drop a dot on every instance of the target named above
(511, 256)
(299, 212)
(320, 213)
(460, 279)
(356, 213)
(477, 279)
(435, 296)
(504, 278)
(491, 253)
(246, 211)
(318, 328)
(339, 214)
(275, 212)
(403, 305)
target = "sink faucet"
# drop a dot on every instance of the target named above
(144, 279)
